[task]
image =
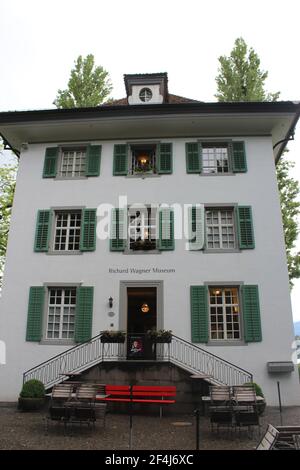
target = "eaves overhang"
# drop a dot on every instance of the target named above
(277, 119)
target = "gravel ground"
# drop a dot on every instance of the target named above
(26, 430)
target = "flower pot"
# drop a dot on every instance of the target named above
(30, 404)
(261, 406)
(112, 340)
(161, 339)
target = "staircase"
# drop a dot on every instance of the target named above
(199, 362)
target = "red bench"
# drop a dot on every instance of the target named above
(161, 395)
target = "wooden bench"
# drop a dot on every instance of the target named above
(280, 438)
(161, 395)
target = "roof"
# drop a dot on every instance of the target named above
(188, 119)
(173, 99)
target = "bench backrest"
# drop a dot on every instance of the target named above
(86, 391)
(61, 391)
(220, 393)
(154, 391)
(244, 394)
(269, 438)
(120, 390)
(140, 390)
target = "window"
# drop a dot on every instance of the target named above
(142, 228)
(220, 229)
(143, 159)
(145, 94)
(215, 158)
(73, 162)
(67, 231)
(61, 313)
(224, 313)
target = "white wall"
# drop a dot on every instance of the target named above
(265, 265)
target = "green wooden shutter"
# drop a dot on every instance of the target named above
(196, 221)
(93, 160)
(84, 314)
(245, 227)
(199, 314)
(239, 163)
(166, 229)
(118, 235)
(164, 159)
(35, 313)
(193, 153)
(88, 230)
(251, 314)
(120, 166)
(43, 230)
(50, 162)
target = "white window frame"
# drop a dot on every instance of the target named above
(213, 154)
(219, 225)
(71, 171)
(68, 228)
(61, 308)
(234, 292)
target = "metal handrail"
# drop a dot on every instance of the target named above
(179, 352)
(200, 361)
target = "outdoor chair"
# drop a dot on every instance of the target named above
(84, 413)
(61, 392)
(280, 438)
(58, 412)
(86, 393)
(245, 406)
(220, 409)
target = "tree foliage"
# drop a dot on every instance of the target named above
(241, 79)
(290, 208)
(7, 188)
(89, 85)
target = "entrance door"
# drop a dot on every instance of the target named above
(141, 317)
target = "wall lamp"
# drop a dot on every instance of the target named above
(110, 302)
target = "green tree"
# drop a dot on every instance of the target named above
(7, 188)
(241, 79)
(89, 85)
(290, 208)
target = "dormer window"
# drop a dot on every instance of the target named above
(145, 94)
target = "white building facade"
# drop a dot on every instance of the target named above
(195, 247)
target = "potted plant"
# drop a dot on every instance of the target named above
(160, 336)
(261, 405)
(142, 245)
(32, 396)
(110, 336)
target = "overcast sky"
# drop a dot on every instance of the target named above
(39, 41)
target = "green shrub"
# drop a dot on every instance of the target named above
(258, 390)
(33, 389)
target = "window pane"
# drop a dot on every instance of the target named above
(224, 313)
(61, 313)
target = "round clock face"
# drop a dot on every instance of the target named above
(145, 94)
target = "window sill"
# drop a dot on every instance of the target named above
(61, 253)
(144, 175)
(226, 343)
(142, 252)
(210, 251)
(57, 342)
(64, 178)
(218, 174)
